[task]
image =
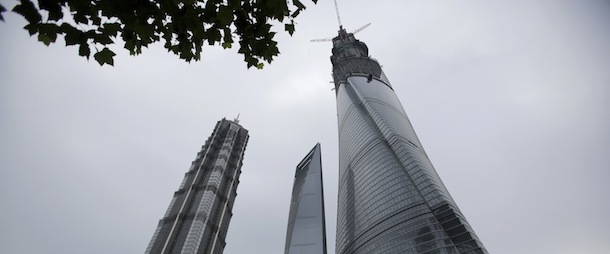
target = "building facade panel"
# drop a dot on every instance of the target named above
(198, 216)
(391, 200)
(306, 232)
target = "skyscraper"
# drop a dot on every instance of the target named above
(306, 232)
(391, 199)
(198, 215)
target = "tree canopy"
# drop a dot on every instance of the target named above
(183, 25)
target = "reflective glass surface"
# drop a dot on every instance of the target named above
(391, 199)
(198, 215)
(306, 224)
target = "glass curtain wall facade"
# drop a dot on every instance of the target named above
(391, 199)
(306, 232)
(198, 215)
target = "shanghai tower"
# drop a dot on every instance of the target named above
(391, 200)
(198, 215)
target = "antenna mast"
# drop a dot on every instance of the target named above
(338, 17)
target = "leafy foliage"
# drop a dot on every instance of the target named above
(184, 25)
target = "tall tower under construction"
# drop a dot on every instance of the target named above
(391, 200)
(198, 215)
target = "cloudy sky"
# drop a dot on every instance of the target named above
(511, 100)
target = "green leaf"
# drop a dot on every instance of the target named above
(276, 9)
(2, 9)
(48, 33)
(84, 50)
(44, 39)
(48, 28)
(105, 57)
(228, 38)
(28, 11)
(53, 8)
(225, 15)
(81, 18)
(251, 61)
(72, 36)
(130, 45)
(96, 20)
(289, 28)
(183, 25)
(32, 28)
(102, 39)
(260, 66)
(213, 35)
(111, 28)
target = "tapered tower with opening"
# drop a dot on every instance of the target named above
(306, 221)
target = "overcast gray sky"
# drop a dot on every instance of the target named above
(510, 99)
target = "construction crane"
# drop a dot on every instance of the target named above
(340, 26)
(354, 32)
(338, 17)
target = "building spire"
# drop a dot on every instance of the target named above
(236, 120)
(338, 17)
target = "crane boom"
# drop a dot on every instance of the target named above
(340, 26)
(362, 28)
(321, 40)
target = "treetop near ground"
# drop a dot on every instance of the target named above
(183, 25)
